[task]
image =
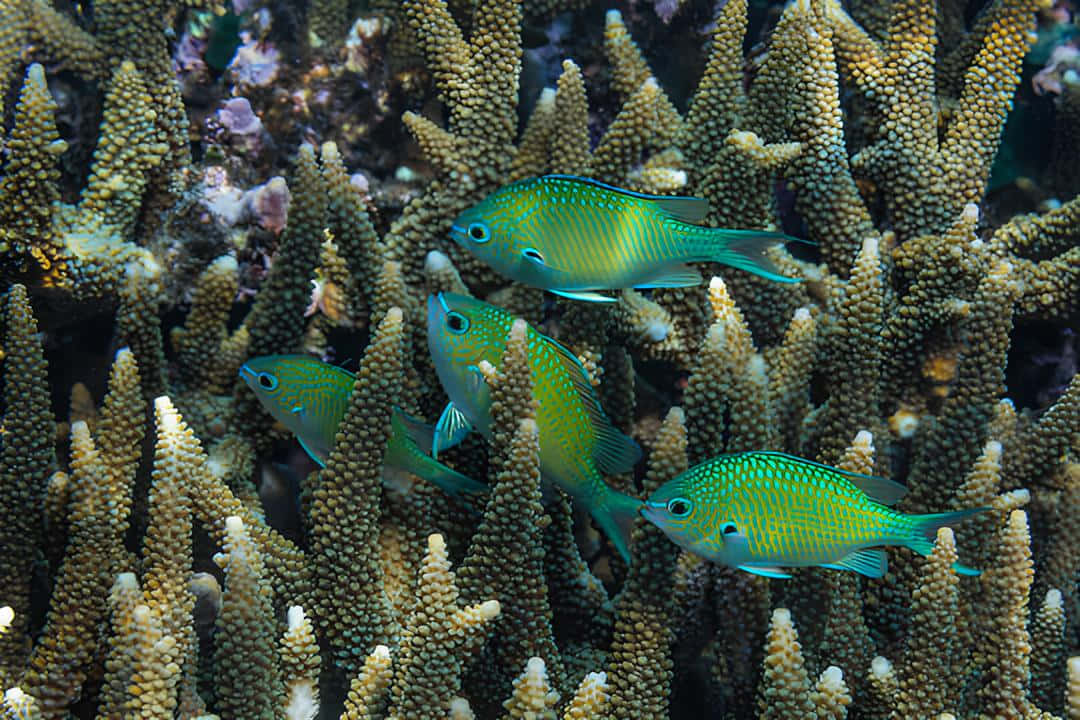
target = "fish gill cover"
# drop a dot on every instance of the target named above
(167, 550)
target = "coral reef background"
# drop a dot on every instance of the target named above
(187, 185)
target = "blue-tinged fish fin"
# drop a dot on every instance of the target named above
(675, 276)
(403, 453)
(475, 379)
(879, 489)
(613, 451)
(584, 295)
(319, 458)
(965, 570)
(298, 410)
(743, 249)
(680, 207)
(418, 431)
(925, 529)
(615, 515)
(450, 430)
(871, 562)
(766, 571)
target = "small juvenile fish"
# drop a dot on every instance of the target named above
(572, 236)
(577, 441)
(310, 397)
(763, 511)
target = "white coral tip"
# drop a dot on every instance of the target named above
(436, 261)
(296, 617)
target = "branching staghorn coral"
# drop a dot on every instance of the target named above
(912, 337)
(349, 618)
(640, 665)
(512, 519)
(27, 455)
(437, 640)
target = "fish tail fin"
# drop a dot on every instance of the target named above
(615, 516)
(924, 533)
(746, 250)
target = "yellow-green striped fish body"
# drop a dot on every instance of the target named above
(573, 235)
(762, 511)
(310, 397)
(577, 441)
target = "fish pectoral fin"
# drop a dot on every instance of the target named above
(677, 276)
(871, 562)
(476, 379)
(584, 295)
(450, 430)
(297, 410)
(320, 458)
(766, 571)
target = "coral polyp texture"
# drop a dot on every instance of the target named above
(186, 186)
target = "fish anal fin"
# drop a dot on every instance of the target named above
(613, 451)
(871, 562)
(319, 458)
(675, 276)
(615, 515)
(584, 296)
(766, 571)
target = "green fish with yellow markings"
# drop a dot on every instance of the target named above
(573, 236)
(578, 443)
(763, 511)
(310, 397)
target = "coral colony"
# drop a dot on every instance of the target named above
(187, 187)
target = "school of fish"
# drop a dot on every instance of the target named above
(760, 511)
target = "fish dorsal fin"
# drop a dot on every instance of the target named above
(871, 562)
(613, 452)
(680, 207)
(879, 489)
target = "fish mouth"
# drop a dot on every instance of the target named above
(247, 373)
(436, 312)
(436, 307)
(457, 234)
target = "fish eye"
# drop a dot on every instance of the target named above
(457, 322)
(679, 507)
(728, 528)
(267, 381)
(479, 232)
(533, 254)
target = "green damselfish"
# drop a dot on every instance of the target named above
(573, 236)
(578, 443)
(310, 397)
(763, 511)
